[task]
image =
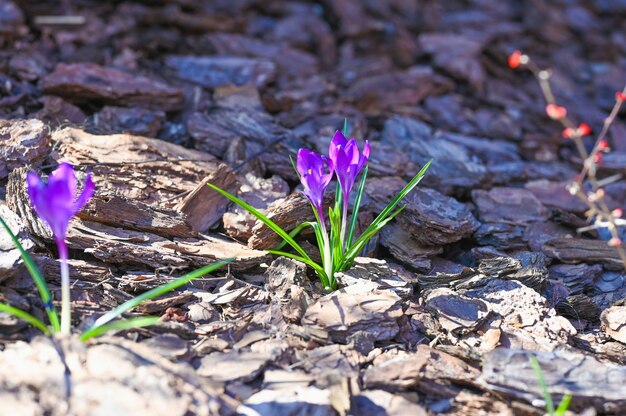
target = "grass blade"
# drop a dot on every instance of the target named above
(384, 216)
(40, 282)
(542, 383)
(157, 291)
(119, 325)
(24, 316)
(355, 210)
(271, 224)
(564, 405)
(360, 243)
(294, 233)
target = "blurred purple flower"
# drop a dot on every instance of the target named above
(347, 161)
(55, 202)
(312, 169)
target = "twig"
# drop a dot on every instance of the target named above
(594, 198)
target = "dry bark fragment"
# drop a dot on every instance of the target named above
(345, 312)
(425, 369)
(216, 71)
(575, 250)
(614, 322)
(136, 121)
(22, 142)
(509, 205)
(10, 256)
(150, 171)
(591, 382)
(84, 82)
(110, 377)
(288, 213)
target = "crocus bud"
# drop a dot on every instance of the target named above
(556, 112)
(347, 160)
(313, 175)
(56, 201)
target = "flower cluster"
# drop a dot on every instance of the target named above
(346, 162)
(585, 185)
(338, 245)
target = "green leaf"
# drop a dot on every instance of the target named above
(542, 383)
(357, 205)
(294, 233)
(383, 217)
(358, 245)
(157, 291)
(119, 325)
(564, 405)
(271, 224)
(24, 316)
(344, 131)
(40, 282)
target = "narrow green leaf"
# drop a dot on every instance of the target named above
(119, 325)
(40, 282)
(542, 383)
(357, 205)
(157, 291)
(361, 242)
(344, 131)
(382, 218)
(564, 405)
(24, 316)
(294, 233)
(271, 224)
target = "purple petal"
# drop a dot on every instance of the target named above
(338, 142)
(86, 195)
(366, 155)
(64, 174)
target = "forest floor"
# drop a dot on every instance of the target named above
(483, 268)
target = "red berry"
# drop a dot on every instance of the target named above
(568, 133)
(620, 96)
(615, 242)
(603, 145)
(515, 59)
(556, 112)
(597, 158)
(617, 213)
(584, 129)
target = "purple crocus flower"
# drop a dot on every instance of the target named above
(312, 169)
(56, 203)
(347, 160)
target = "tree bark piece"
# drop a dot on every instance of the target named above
(85, 82)
(22, 143)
